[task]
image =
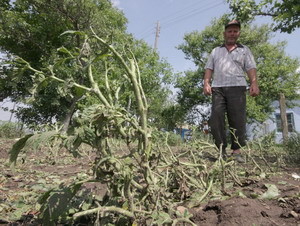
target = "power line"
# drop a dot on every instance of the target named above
(191, 14)
(192, 6)
(181, 15)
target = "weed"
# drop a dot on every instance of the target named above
(174, 139)
(11, 130)
(292, 146)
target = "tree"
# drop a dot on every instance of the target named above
(31, 29)
(189, 96)
(276, 71)
(285, 14)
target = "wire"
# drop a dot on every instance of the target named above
(192, 6)
(167, 17)
(183, 14)
(191, 14)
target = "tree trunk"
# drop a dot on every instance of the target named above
(283, 117)
(67, 119)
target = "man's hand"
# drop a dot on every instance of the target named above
(254, 90)
(206, 85)
(207, 89)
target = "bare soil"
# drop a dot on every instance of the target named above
(236, 210)
(20, 188)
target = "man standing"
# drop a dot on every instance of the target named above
(226, 67)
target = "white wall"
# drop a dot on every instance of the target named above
(255, 131)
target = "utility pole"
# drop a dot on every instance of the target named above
(284, 124)
(12, 112)
(156, 35)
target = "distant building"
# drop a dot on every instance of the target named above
(273, 124)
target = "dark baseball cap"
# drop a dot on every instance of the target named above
(233, 22)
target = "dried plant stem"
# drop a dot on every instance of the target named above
(236, 180)
(182, 220)
(263, 158)
(255, 163)
(197, 202)
(103, 209)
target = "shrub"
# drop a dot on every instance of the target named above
(293, 148)
(268, 140)
(200, 135)
(11, 129)
(174, 139)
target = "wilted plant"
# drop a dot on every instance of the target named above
(146, 180)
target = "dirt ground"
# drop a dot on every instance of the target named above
(21, 186)
(282, 210)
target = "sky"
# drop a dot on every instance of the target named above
(176, 18)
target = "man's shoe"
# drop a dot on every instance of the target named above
(238, 158)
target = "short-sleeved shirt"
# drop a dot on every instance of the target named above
(229, 67)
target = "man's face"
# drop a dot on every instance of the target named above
(231, 34)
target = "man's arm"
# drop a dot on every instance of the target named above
(207, 79)
(254, 90)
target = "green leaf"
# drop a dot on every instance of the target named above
(241, 194)
(38, 187)
(64, 50)
(42, 84)
(161, 217)
(17, 148)
(271, 193)
(282, 182)
(40, 139)
(79, 91)
(254, 195)
(262, 175)
(56, 203)
(101, 57)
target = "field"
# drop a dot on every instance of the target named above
(271, 198)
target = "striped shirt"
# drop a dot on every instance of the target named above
(229, 67)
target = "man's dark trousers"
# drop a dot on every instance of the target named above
(230, 101)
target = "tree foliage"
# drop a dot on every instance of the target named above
(276, 71)
(32, 30)
(285, 14)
